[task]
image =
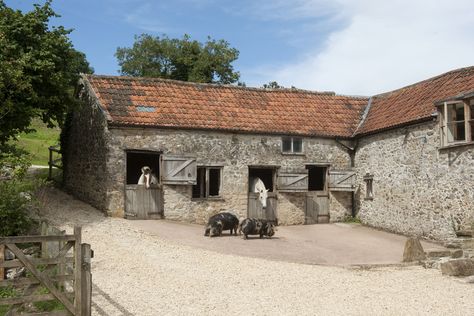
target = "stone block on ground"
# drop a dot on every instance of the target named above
(413, 251)
(457, 253)
(464, 233)
(438, 253)
(458, 267)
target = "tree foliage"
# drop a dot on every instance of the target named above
(180, 59)
(39, 69)
(272, 85)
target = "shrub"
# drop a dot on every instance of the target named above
(15, 198)
(16, 192)
(14, 162)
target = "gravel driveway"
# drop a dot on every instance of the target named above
(135, 273)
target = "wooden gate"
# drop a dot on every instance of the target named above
(143, 203)
(255, 209)
(65, 277)
(317, 207)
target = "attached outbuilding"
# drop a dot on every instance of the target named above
(402, 161)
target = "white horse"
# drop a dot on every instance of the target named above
(257, 186)
(147, 177)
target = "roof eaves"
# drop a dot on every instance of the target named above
(403, 124)
(114, 124)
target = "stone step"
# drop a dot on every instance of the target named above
(464, 233)
(461, 243)
(455, 253)
(458, 267)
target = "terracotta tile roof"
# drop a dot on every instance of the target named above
(415, 102)
(167, 103)
(175, 104)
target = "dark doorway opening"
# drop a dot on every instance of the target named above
(138, 159)
(265, 174)
(316, 178)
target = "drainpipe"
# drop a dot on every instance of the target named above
(352, 152)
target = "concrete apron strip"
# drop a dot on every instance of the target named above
(326, 245)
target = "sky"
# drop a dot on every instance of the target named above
(352, 47)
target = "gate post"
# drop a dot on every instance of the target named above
(86, 283)
(2, 256)
(77, 270)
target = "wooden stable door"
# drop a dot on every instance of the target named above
(143, 203)
(317, 207)
(255, 209)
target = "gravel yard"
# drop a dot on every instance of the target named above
(135, 273)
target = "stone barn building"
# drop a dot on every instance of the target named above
(402, 160)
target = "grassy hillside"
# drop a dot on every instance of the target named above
(37, 143)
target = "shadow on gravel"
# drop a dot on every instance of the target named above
(102, 303)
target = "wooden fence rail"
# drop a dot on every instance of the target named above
(54, 272)
(54, 162)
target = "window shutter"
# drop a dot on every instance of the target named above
(178, 170)
(292, 182)
(341, 180)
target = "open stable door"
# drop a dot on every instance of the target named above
(178, 170)
(142, 202)
(317, 196)
(254, 207)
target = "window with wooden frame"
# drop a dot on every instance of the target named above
(292, 145)
(208, 183)
(369, 186)
(457, 122)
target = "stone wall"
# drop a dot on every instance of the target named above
(419, 189)
(233, 151)
(85, 175)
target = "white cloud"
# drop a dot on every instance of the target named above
(384, 45)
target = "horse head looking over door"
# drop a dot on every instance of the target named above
(257, 186)
(147, 177)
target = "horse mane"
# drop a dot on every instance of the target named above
(257, 184)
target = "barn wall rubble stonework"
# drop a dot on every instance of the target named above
(419, 189)
(85, 174)
(235, 152)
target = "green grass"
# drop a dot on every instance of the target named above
(6, 292)
(48, 306)
(37, 143)
(44, 306)
(350, 219)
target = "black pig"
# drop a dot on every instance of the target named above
(221, 221)
(252, 226)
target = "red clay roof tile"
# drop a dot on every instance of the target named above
(415, 102)
(167, 103)
(186, 105)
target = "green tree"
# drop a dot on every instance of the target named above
(272, 85)
(180, 59)
(39, 69)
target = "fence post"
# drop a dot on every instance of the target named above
(2, 256)
(50, 163)
(86, 280)
(77, 270)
